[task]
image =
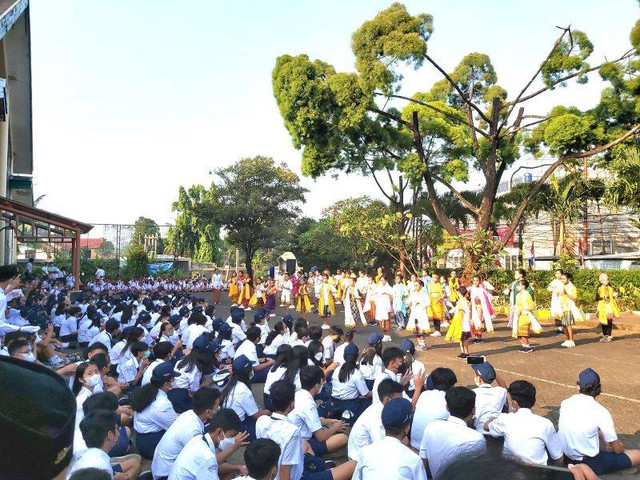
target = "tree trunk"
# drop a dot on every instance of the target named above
(247, 261)
(561, 235)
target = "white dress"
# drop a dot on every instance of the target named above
(382, 300)
(418, 303)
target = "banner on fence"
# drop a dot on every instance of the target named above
(161, 267)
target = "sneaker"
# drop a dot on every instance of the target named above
(291, 307)
(526, 350)
(272, 315)
(386, 338)
(607, 339)
(248, 309)
(338, 302)
(570, 344)
(325, 326)
(603, 339)
(565, 343)
(444, 324)
(463, 355)
(610, 338)
(436, 334)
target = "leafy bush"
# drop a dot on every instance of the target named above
(137, 262)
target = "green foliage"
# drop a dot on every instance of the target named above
(254, 200)
(623, 185)
(141, 228)
(569, 58)
(318, 243)
(137, 262)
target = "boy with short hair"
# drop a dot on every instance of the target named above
(261, 458)
(490, 400)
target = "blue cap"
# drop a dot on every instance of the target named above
(485, 371)
(375, 338)
(287, 317)
(214, 346)
(225, 327)
(125, 331)
(408, 346)
(241, 362)
(237, 315)
(396, 413)
(260, 314)
(351, 349)
(175, 319)
(183, 310)
(588, 378)
(201, 343)
(216, 323)
(164, 372)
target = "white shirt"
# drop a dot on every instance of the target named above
(278, 428)
(241, 401)
(369, 371)
(379, 378)
(156, 417)
(191, 333)
(103, 337)
(581, 418)
(272, 377)
(248, 349)
(446, 440)
(527, 436)
(146, 376)
(272, 348)
(82, 396)
(368, 429)
(93, 458)
(85, 331)
(305, 414)
(115, 353)
(338, 353)
(489, 403)
(352, 388)
(69, 326)
(189, 380)
(187, 426)
(389, 459)
(431, 406)
(197, 460)
(329, 347)
(237, 334)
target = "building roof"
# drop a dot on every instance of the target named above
(91, 243)
(287, 256)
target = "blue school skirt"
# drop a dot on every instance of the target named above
(147, 443)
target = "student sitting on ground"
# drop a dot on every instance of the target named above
(305, 416)
(491, 400)
(349, 390)
(261, 458)
(248, 348)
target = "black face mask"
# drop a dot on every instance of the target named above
(402, 369)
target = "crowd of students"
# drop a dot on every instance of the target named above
(163, 378)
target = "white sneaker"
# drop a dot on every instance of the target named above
(571, 344)
(325, 326)
(247, 309)
(291, 307)
(386, 338)
(282, 304)
(272, 314)
(436, 334)
(565, 343)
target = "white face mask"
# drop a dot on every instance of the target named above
(94, 380)
(29, 357)
(225, 443)
(318, 356)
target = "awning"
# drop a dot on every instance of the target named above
(33, 225)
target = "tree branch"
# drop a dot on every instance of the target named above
(458, 89)
(392, 117)
(465, 203)
(538, 185)
(373, 174)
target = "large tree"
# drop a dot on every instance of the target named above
(465, 124)
(254, 200)
(142, 228)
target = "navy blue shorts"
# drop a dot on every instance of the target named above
(319, 448)
(120, 449)
(324, 475)
(606, 462)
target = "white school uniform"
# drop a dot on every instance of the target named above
(127, 370)
(103, 337)
(489, 403)
(115, 354)
(338, 354)
(228, 351)
(85, 331)
(248, 349)
(446, 440)
(389, 459)
(241, 401)
(278, 340)
(527, 436)
(82, 396)
(353, 387)
(187, 426)
(305, 414)
(278, 428)
(368, 429)
(197, 460)
(189, 380)
(379, 378)
(93, 458)
(69, 326)
(191, 333)
(431, 406)
(581, 421)
(329, 347)
(158, 416)
(146, 376)
(369, 371)
(272, 377)
(237, 334)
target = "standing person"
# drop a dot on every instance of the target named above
(607, 307)
(519, 274)
(445, 440)
(270, 297)
(389, 458)
(436, 310)
(216, 287)
(528, 437)
(419, 303)
(400, 294)
(303, 304)
(352, 300)
(584, 422)
(233, 288)
(524, 321)
(454, 285)
(246, 294)
(460, 327)
(570, 312)
(383, 301)
(326, 301)
(286, 289)
(481, 310)
(556, 287)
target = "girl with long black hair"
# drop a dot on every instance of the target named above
(278, 371)
(279, 335)
(371, 361)
(201, 361)
(349, 390)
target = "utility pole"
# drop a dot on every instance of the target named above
(237, 260)
(585, 219)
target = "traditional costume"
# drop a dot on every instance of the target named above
(556, 288)
(570, 312)
(454, 285)
(460, 327)
(233, 289)
(481, 310)
(303, 305)
(607, 310)
(418, 302)
(524, 321)
(436, 310)
(326, 301)
(353, 307)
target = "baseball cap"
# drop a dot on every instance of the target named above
(183, 310)
(216, 323)
(175, 319)
(396, 413)
(201, 343)
(351, 349)
(588, 377)
(37, 430)
(225, 327)
(237, 315)
(374, 338)
(485, 371)
(241, 362)
(260, 314)
(112, 324)
(164, 372)
(287, 317)
(408, 346)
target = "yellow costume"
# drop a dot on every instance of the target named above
(233, 289)
(454, 333)
(258, 298)
(607, 307)
(326, 289)
(454, 285)
(304, 303)
(436, 295)
(526, 322)
(245, 294)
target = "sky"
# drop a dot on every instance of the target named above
(132, 99)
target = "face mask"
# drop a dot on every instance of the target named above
(225, 443)
(402, 369)
(29, 357)
(94, 380)
(318, 356)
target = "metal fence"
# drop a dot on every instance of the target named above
(111, 240)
